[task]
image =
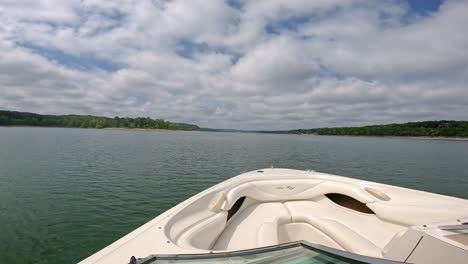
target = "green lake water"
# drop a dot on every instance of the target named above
(66, 193)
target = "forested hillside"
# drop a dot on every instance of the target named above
(11, 118)
(414, 129)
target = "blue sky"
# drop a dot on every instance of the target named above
(237, 64)
(424, 6)
(75, 61)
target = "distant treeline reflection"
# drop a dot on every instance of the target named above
(12, 118)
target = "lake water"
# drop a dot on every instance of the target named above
(66, 193)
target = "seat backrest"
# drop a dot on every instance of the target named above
(286, 190)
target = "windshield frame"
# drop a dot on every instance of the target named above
(238, 253)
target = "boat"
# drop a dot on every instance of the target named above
(277, 215)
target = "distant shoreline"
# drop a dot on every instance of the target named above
(142, 129)
(401, 137)
(105, 128)
(435, 138)
(15, 118)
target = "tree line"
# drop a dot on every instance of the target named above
(442, 128)
(12, 118)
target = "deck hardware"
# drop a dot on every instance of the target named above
(454, 227)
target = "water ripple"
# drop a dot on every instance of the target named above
(66, 193)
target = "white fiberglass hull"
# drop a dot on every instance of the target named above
(275, 206)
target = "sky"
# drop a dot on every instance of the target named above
(260, 64)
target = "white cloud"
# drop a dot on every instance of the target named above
(49, 11)
(281, 63)
(265, 65)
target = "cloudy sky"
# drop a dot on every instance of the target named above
(271, 64)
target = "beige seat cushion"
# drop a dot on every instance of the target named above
(419, 214)
(306, 232)
(354, 231)
(242, 231)
(267, 235)
(345, 237)
(204, 234)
